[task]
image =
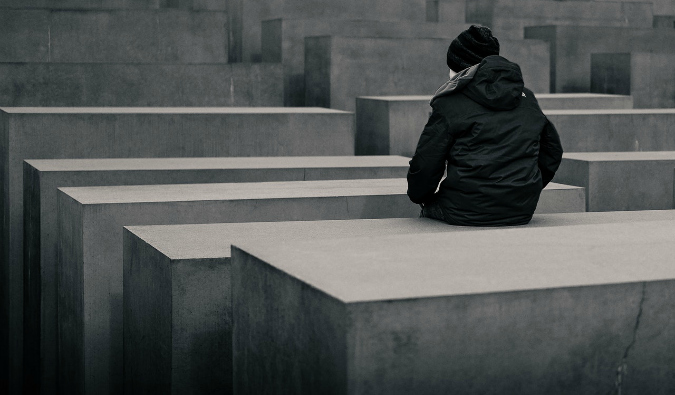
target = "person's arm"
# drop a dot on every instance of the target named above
(428, 164)
(550, 152)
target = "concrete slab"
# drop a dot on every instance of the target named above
(140, 85)
(477, 312)
(664, 21)
(219, 5)
(43, 177)
(446, 11)
(572, 46)
(387, 124)
(90, 246)
(44, 133)
(283, 40)
(615, 130)
(338, 69)
(649, 77)
(616, 180)
(199, 254)
(508, 18)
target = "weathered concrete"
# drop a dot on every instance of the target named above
(138, 36)
(508, 18)
(621, 180)
(649, 77)
(387, 124)
(446, 11)
(283, 40)
(615, 130)
(338, 69)
(664, 21)
(140, 85)
(218, 5)
(362, 317)
(572, 46)
(40, 133)
(90, 229)
(42, 177)
(199, 254)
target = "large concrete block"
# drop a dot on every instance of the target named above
(427, 314)
(42, 177)
(283, 40)
(246, 15)
(664, 21)
(508, 18)
(204, 250)
(446, 11)
(43, 133)
(616, 181)
(338, 69)
(615, 130)
(572, 46)
(24, 36)
(140, 85)
(393, 124)
(90, 249)
(647, 76)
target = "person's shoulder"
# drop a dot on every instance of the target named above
(452, 104)
(528, 99)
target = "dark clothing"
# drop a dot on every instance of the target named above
(499, 147)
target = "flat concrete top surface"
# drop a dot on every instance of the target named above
(284, 162)
(620, 156)
(626, 111)
(486, 261)
(214, 240)
(171, 110)
(235, 191)
(424, 98)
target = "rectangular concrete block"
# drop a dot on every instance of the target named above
(572, 46)
(338, 69)
(24, 36)
(393, 124)
(283, 40)
(49, 133)
(615, 130)
(616, 181)
(508, 18)
(664, 21)
(446, 11)
(43, 177)
(524, 315)
(140, 85)
(647, 76)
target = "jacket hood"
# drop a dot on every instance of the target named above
(494, 83)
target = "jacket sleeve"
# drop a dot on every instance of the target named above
(550, 152)
(428, 163)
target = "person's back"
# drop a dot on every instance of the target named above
(499, 147)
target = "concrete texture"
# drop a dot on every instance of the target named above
(150, 251)
(219, 5)
(595, 318)
(615, 130)
(649, 77)
(571, 48)
(338, 69)
(616, 181)
(42, 177)
(246, 16)
(508, 18)
(664, 21)
(114, 36)
(446, 11)
(140, 85)
(283, 40)
(387, 124)
(44, 133)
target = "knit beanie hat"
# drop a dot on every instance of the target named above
(470, 47)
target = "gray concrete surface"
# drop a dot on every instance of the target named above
(142, 85)
(283, 40)
(387, 124)
(616, 181)
(572, 46)
(338, 69)
(90, 246)
(219, 5)
(46, 133)
(508, 18)
(559, 310)
(43, 177)
(649, 77)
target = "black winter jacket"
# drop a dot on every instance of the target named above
(500, 149)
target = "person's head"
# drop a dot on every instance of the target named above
(471, 47)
